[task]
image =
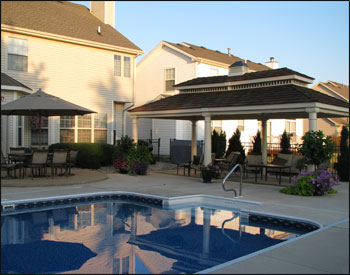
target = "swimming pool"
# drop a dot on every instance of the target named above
(132, 233)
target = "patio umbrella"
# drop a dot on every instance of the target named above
(44, 257)
(42, 104)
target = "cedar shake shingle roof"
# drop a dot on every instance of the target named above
(202, 52)
(246, 76)
(284, 94)
(62, 18)
(7, 80)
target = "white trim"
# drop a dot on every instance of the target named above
(252, 81)
(68, 39)
(16, 88)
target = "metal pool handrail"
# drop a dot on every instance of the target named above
(241, 179)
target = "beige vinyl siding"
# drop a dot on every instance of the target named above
(79, 74)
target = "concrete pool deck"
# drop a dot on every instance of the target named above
(324, 251)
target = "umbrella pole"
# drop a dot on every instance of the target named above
(39, 132)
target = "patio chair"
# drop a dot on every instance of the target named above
(39, 161)
(7, 166)
(59, 160)
(196, 164)
(252, 159)
(231, 160)
(72, 160)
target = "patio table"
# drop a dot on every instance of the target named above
(273, 166)
(20, 159)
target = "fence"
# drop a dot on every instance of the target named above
(180, 150)
(155, 142)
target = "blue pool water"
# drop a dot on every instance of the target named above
(124, 237)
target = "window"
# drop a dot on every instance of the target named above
(126, 66)
(35, 124)
(291, 128)
(100, 128)
(19, 130)
(67, 124)
(216, 125)
(116, 266)
(84, 128)
(117, 65)
(17, 54)
(240, 125)
(169, 79)
(125, 265)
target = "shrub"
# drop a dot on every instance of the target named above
(312, 183)
(210, 171)
(218, 143)
(90, 155)
(236, 145)
(120, 163)
(285, 143)
(257, 143)
(342, 164)
(138, 159)
(123, 146)
(316, 148)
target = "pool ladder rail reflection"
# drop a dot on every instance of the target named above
(240, 182)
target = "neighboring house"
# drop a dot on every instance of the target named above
(332, 126)
(70, 52)
(170, 63)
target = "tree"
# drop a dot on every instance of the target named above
(257, 143)
(285, 143)
(316, 148)
(342, 165)
(235, 145)
(218, 143)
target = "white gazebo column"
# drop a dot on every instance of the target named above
(194, 139)
(264, 141)
(134, 129)
(312, 118)
(207, 139)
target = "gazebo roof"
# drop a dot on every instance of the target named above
(284, 101)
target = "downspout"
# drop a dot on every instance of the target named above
(132, 104)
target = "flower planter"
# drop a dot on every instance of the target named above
(206, 179)
(123, 171)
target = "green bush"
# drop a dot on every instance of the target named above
(123, 146)
(316, 148)
(138, 159)
(257, 143)
(235, 145)
(90, 155)
(218, 143)
(285, 143)
(342, 165)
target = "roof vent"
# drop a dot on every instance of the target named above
(238, 68)
(99, 29)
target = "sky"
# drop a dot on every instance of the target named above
(311, 37)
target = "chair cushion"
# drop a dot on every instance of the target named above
(296, 161)
(279, 161)
(287, 157)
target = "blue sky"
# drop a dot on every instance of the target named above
(309, 37)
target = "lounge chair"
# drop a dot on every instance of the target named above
(196, 164)
(72, 160)
(39, 161)
(231, 160)
(7, 166)
(252, 159)
(59, 160)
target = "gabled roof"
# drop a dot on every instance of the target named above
(61, 18)
(274, 95)
(341, 89)
(246, 76)
(202, 52)
(7, 80)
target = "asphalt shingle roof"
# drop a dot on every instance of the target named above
(202, 52)
(9, 81)
(246, 76)
(62, 18)
(341, 89)
(283, 94)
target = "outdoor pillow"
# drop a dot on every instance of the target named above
(279, 161)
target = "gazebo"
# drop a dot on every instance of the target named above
(272, 94)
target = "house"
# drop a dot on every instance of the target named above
(332, 126)
(71, 52)
(171, 63)
(242, 95)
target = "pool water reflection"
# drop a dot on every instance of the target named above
(130, 238)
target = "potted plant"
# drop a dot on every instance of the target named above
(209, 171)
(257, 143)
(138, 159)
(121, 152)
(120, 164)
(285, 143)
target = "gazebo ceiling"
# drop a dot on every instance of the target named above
(275, 102)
